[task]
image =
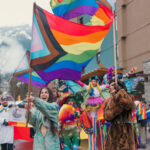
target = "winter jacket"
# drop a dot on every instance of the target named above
(42, 114)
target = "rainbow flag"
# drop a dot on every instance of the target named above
(1, 108)
(61, 49)
(140, 108)
(144, 115)
(69, 9)
(22, 72)
(141, 112)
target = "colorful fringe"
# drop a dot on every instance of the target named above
(101, 136)
(1, 108)
(92, 137)
(92, 108)
(141, 112)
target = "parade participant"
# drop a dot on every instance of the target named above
(44, 118)
(93, 104)
(107, 78)
(94, 93)
(142, 124)
(7, 132)
(68, 124)
(118, 111)
(111, 75)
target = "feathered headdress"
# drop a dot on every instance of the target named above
(109, 77)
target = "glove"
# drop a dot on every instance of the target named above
(107, 85)
(11, 105)
(5, 123)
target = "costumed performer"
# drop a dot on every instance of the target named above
(118, 111)
(107, 78)
(94, 102)
(7, 132)
(68, 124)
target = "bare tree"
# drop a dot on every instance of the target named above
(17, 88)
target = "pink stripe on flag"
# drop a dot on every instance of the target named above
(36, 42)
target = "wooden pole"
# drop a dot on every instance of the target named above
(29, 93)
(115, 51)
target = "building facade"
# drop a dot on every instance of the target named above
(133, 33)
(133, 38)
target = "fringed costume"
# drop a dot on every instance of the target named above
(68, 127)
(93, 104)
(141, 119)
(121, 134)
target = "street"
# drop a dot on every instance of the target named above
(148, 142)
(27, 145)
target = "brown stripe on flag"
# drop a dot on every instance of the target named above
(53, 51)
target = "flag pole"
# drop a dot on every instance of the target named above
(115, 51)
(29, 93)
(30, 75)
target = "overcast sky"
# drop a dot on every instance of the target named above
(15, 13)
(18, 12)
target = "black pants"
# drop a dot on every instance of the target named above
(7, 146)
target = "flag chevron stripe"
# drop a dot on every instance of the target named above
(51, 43)
(79, 48)
(79, 58)
(66, 39)
(36, 40)
(21, 72)
(24, 65)
(46, 28)
(24, 74)
(44, 46)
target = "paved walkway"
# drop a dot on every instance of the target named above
(26, 145)
(148, 142)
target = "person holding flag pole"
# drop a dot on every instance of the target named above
(43, 116)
